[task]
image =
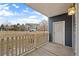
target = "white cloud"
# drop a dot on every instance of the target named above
(2, 20)
(15, 5)
(15, 13)
(6, 13)
(38, 13)
(4, 10)
(26, 10)
(30, 20)
(24, 21)
(4, 6)
(32, 17)
(45, 18)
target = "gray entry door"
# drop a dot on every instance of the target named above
(59, 32)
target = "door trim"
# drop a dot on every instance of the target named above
(63, 41)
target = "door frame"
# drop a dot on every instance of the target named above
(54, 33)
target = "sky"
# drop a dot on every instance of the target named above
(13, 13)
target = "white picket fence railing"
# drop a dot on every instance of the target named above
(17, 43)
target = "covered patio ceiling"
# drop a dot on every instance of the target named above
(50, 9)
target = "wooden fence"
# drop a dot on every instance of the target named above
(17, 43)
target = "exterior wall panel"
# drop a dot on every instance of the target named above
(68, 27)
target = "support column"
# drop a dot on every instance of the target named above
(77, 31)
(50, 30)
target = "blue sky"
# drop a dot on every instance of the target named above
(13, 13)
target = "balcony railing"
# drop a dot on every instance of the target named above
(20, 43)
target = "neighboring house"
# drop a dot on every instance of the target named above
(31, 27)
(43, 26)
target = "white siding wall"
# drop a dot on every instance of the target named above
(77, 30)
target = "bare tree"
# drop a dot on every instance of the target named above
(43, 26)
(2, 27)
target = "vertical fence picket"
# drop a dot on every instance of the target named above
(30, 42)
(12, 46)
(7, 42)
(19, 45)
(35, 41)
(14, 51)
(5, 48)
(16, 45)
(26, 43)
(2, 47)
(22, 44)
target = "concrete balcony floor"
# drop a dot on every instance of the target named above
(52, 49)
